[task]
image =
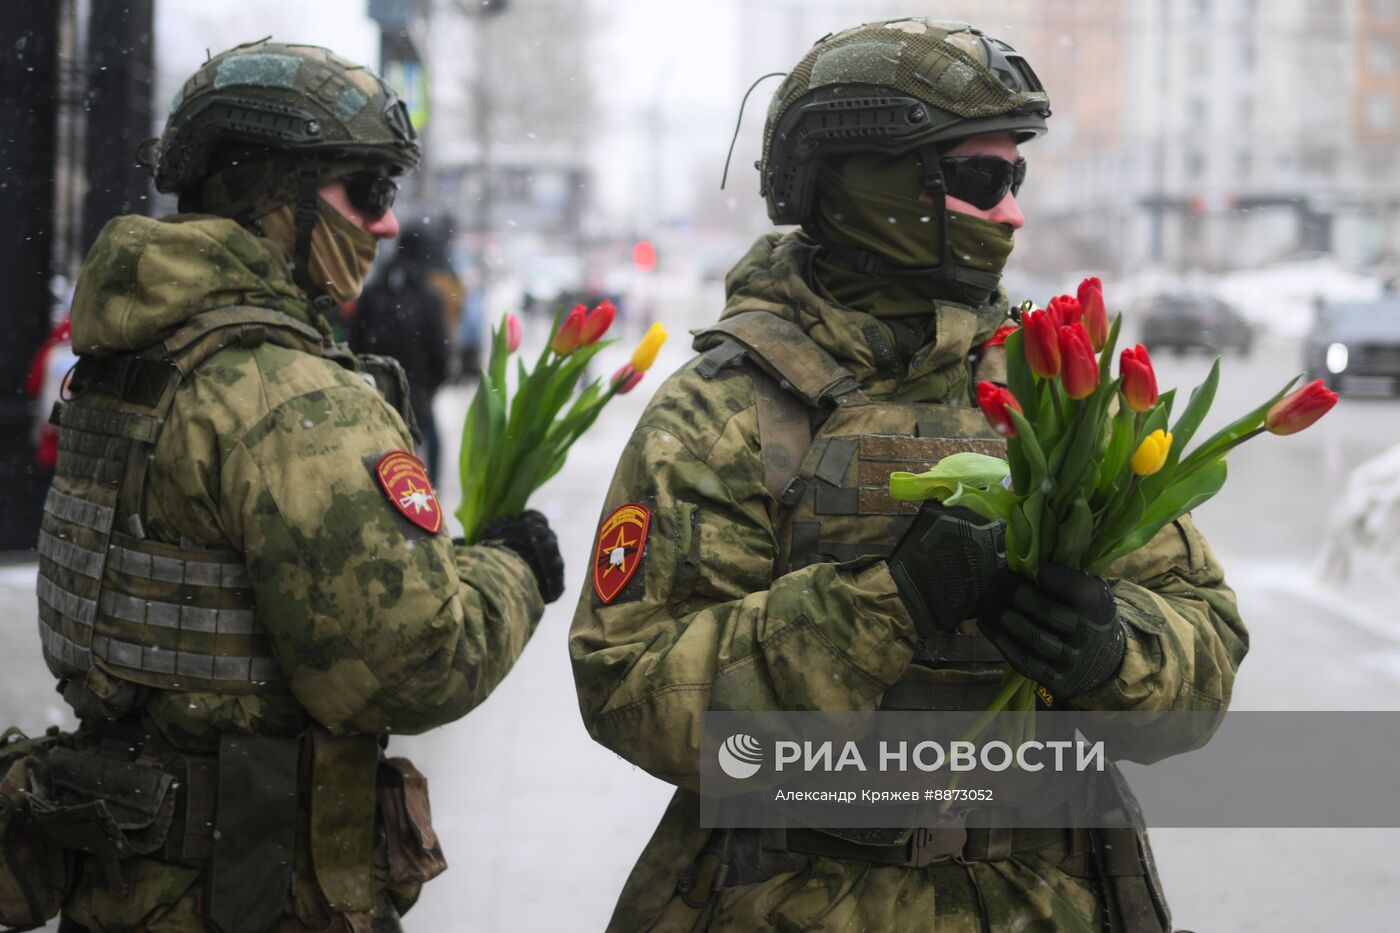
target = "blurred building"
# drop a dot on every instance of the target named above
(1216, 134)
(510, 109)
(1188, 134)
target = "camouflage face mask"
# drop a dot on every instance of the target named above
(342, 251)
(863, 205)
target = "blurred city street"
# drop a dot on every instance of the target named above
(541, 825)
(1227, 167)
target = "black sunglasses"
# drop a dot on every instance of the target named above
(982, 180)
(371, 193)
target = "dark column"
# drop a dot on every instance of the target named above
(119, 78)
(28, 83)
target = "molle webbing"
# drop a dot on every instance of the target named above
(785, 352)
(847, 476)
(162, 615)
(833, 488)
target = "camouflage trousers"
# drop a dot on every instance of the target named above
(165, 898)
(1046, 891)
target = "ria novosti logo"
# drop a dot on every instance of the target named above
(740, 756)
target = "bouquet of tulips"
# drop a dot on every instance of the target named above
(511, 446)
(1095, 464)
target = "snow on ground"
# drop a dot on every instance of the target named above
(1361, 553)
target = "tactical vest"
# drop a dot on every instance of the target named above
(175, 617)
(828, 452)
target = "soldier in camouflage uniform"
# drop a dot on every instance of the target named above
(749, 552)
(244, 584)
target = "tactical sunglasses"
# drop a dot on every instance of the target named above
(371, 193)
(982, 180)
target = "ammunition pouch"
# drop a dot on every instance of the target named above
(34, 872)
(1134, 900)
(250, 869)
(106, 808)
(127, 793)
(415, 855)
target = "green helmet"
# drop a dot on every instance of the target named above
(891, 86)
(299, 100)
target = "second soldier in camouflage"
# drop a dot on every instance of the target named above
(749, 549)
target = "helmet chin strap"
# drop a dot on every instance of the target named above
(947, 271)
(307, 212)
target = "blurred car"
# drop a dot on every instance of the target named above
(1194, 322)
(1353, 341)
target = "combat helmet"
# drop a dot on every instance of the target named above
(301, 100)
(892, 86)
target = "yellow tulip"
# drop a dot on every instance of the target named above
(1152, 453)
(646, 351)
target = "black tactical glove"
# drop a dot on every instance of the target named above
(1061, 631)
(943, 563)
(529, 536)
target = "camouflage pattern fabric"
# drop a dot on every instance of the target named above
(378, 626)
(714, 626)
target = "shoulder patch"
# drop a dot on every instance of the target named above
(622, 540)
(404, 480)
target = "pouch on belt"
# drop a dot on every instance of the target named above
(342, 818)
(34, 872)
(255, 822)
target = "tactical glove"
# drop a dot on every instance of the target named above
(1061, 631)
(942, 564)
(529, 536)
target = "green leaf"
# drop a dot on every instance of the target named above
(1117, 523)
(969, 469)
(1118, 452)
(1019, 378)
(497, 366)
(1106, 356)
(481, 441)
(994, 502)
(1075, 476)
(1232, 432)
(1074, 534)
(1020, 540)
(1166, 400)
(1048, 417)
(1174, 502)
(1201, 398)
(1016, 460)
(1032, 510)
(1030, 447)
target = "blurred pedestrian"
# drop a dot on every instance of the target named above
(401, 314)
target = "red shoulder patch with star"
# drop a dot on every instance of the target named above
(622, 539)
(404, 480)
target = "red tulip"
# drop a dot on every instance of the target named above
(1065, 310)
(1095, 315)
(512, 333)
(1139, 380)
(994, 402)
(597, 322)
(566, 341)
(1042, 347)
(626, 378)
(999, 338)
(1300, 408)
(1080, 372)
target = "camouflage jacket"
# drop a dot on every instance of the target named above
(711, 625)
(378, 626)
